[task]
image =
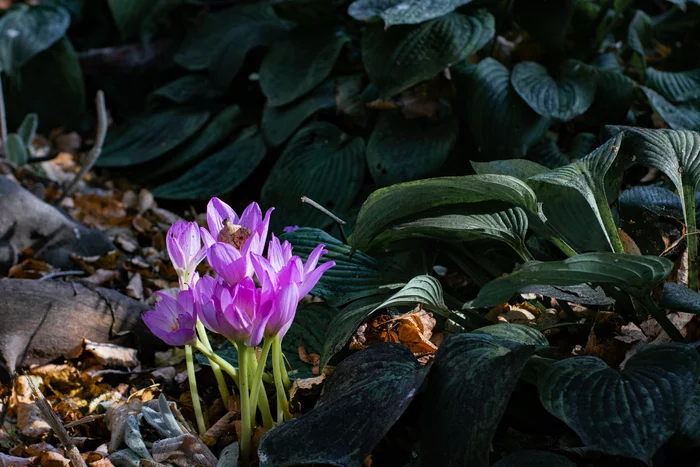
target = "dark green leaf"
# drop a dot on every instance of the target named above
(494, 108)
(27, 130)
(403, 11)
(468, 390)
(677, 297)
(221, 41)
(681, 116)
(15, 150)
(546, 21)
(688, 435)
(129, 15)
(424, 290)
(402, 56)
(583, 294)
(614, 94)
(632, 273)
(640, 34)
(655, 199)
(519, 168)
(187, 88)
(534, 458)
(26, 31)
(308, 330)
(149, 136)
(219, 173)
(563, 98)
(320, 162)
(674, 86)
(516, 333)
(296, 64)
(642, 404)
(547, 153)
(374, 385)
(279, 123)
(401, 150)
(388, 205)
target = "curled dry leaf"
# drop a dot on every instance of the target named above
(184, 451)
(113, 355)
(117, 414)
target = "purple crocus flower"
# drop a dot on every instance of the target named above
(225, 226)
(277, 318)
(291, 228)
(231, 264)
(173, 320)
(185, 249)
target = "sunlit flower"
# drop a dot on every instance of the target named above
(225, 226)
(185, 249)
(173, 320)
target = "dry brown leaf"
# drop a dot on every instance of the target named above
(53, 459)
(113, 355)
(12, 461)
(312, 359)
(628, 244)
(30, 269)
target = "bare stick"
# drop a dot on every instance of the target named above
(3, 118)
(96, 148)
(53, 275)
(335, 218)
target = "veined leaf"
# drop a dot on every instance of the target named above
(588, 177)
(508, 226)
(220, 173)
(308, 329)
(676, 297)
(640, 33)
(673, 86)
(656, 199)
(521, 169)
(376, 385)
(27, 130)
(320, 162)
(533, 458)
(614, 90)
(563, 98)
(688, 435)
(468, 390)
(388, 205)
(647, 398)
(547, 153)
(633, 273)
(26, 31)
(149, 136)
(403, 11)
(15, 150)
(425, 290)
(401, 150)
(187, 88)
(681, 116)
(495, 108)
(516, 333)
(296, 64)
(401, 56)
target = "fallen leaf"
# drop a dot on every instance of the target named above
(52, 459)
(135, 287)
(12, 461)
(113, 355)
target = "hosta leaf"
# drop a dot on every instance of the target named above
(425, 290)
(27, 130)
(469, 386)
(633, 273)
(681, 116)
(674, 86)
(187, 88)
(320, 162)
(388, 205)
(214, 132)
(547, 153)
(149, 136)
(296, 64)
(221, 41)
(375, 385)
(647, 398)
(15, 150)
(583, 294)
(614, 93)
(495, 108)
(547, 22)
(508, 226)
(563, 98)
(588, 177)
(403, 11)
(26, 31)
(519, 168)
(219, 173)
(516, 333)
(401, 150)
(656, 199)
(688, 435)
(534, 458)
(401, 56)
(129, 15)
(279, 123)
(640, 34)
(677, 297)
(229, 456)
(308, 330)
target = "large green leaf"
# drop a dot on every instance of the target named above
(494, 108)
(508, 226)
(296, 64)
(534, 458)
(220, 127)
(633, 273)
(26, 31)
(519, 168)
(403, 11)
(424, 290)
(308, 330)
(219, 173)
(567, 96)
(591, 177)
(374, 385)
(544, 20)
(517, 333)
(401, 56)
(129, 15)
(401, 150)
(614, 90)
(468, 390)
(674, 86)
(640, 34)
(388, 205)
(626, 413)
(187, 88)
(16, 150)
(221, 41)
(58, 101)
(547, 153)
(279, 123)
(320, 162)
(149, 136)
(681, 116)
(688, 435)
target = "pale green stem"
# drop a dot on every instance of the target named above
(661, 318)
(220, 381)
(257, 379)
(609, 224)
(691, 235)
(223, 364)
(566, 249)
(285, 377)
(201, 426)
(278, 369)
(245, 403)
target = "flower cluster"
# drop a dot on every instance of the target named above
(232, 304)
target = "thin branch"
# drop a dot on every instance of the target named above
(96, 149)
(3, 117)
(325, 211)
(53, 275)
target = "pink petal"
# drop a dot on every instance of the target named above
(312, 279)
(263, 228)
(275, 254)
(312, 261)
(190, 240)
(207, 238)
(251, 217)
(173, 244)
(263, 269)
(227, 261)
(286, 307)
(217, 211)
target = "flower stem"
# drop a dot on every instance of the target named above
(201, 426)
(285, 377)
(245, 402)
(223, 364)
(220, 381)
(257, 379)
(277, 369)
